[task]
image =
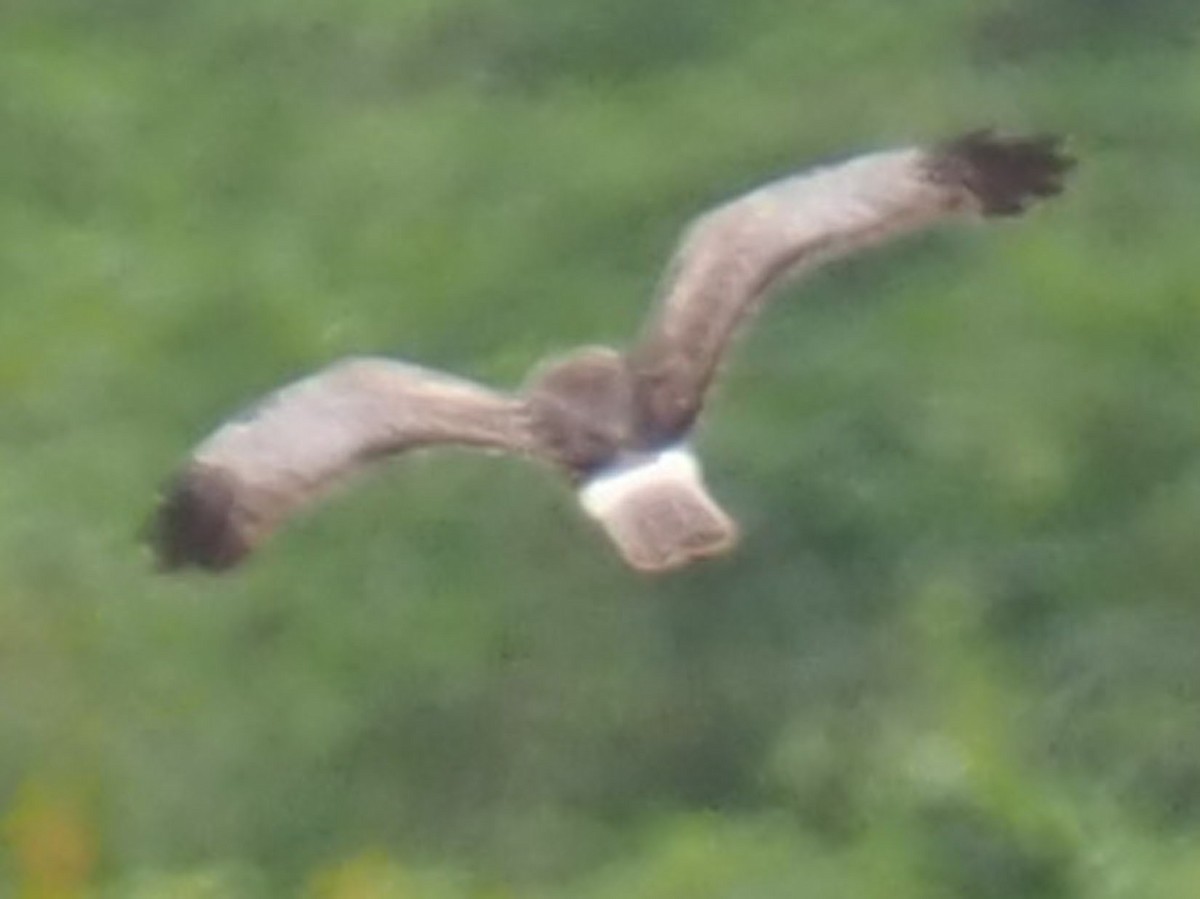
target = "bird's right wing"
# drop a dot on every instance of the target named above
(256, 470)
(731, 256)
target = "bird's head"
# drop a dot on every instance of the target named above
(581, 403)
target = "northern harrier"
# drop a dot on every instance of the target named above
(616, 423)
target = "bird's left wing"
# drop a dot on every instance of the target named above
(256, 470)
(730, 257)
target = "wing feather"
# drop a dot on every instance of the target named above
(730, 257)
(258, 469)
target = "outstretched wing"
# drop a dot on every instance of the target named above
(255, 471)
(731, 256)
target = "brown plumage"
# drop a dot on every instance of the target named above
(614, 422)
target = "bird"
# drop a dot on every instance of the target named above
(616, 422)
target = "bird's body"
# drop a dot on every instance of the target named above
(615, 422)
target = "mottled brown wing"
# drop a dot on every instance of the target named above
(730, 257)
(255, 471)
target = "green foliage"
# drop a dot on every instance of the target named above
(955, 654)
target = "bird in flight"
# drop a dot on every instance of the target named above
(616, 423)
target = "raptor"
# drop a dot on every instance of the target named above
(615, 422)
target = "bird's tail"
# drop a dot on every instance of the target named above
(659, 513)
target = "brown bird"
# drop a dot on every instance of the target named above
(616, 423)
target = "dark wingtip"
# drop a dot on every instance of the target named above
(195, 524)
(1004, 173)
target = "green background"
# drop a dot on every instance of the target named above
(956, 654)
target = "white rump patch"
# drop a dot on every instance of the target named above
(612, 486)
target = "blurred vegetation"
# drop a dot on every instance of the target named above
(955, 655)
